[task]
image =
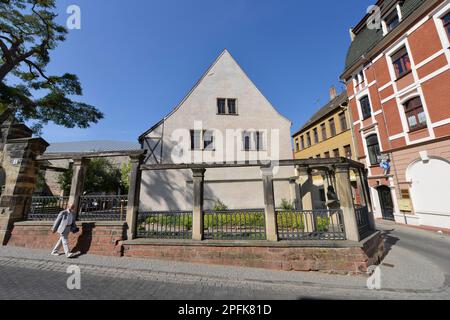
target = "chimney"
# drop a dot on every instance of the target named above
(333, 93)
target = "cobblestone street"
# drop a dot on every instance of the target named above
(416, 267)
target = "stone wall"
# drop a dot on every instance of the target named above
(99, 238)
(343, 258)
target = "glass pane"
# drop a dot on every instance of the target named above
(422, 117)
(407, 63)
(208, 140)
(412, 120)
(221, 106)
(231, 106)
(447, 18)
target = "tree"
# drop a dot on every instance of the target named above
(28, 32)
(101, 177)
(125, 172)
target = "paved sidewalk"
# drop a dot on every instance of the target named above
(405, 275)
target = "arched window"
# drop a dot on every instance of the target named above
(415, 114)
(373, 148)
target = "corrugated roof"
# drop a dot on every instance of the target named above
(325, 110)
(92, 146)
(366, 39)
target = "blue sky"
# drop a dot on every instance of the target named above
(137, 59)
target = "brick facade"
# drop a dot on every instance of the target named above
(425, 40)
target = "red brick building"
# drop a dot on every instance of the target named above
(398, 81)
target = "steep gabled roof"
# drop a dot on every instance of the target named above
(225, 51)
(323, 112)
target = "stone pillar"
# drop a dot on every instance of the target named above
(21, 168)
(363, 182)
(344, 193)
(76, 188)
(134, 195)
(198, 177)
(306, 188)
(269, 204)
(295, 192)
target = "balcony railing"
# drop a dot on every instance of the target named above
(310, 225)
(165, 225)
(245, 224)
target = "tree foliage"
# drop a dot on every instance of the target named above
(28, 33)
(102, 176)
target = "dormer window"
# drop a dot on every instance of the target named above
(226, 106)
(392, 20)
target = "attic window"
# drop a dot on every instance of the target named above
(226, 106)
(392, 20)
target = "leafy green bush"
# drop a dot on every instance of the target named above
(286, 205)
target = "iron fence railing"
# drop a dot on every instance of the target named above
(363, 220)
(46, 208)
(102, 208)
(310, 225)
(246, 224)
(165, 225)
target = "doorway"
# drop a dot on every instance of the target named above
(386, 203)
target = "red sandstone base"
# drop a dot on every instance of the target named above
(107, 239)
(99, 238)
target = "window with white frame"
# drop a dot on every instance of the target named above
(366, 109)
(415, 114)
(253, 141)
(202, 140)
(226, 106)
(446, 21)
(401, 62)
(392, 20)
(373, 149)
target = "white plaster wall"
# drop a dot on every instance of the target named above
(237, 187)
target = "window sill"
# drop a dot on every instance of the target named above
(415, 130)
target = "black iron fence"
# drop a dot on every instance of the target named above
(165, 225)
(102, 208)
(363, 220)
(246, 224)
(310, 225)
(46, 208)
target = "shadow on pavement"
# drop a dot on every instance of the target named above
(389, 242)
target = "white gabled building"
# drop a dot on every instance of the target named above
(223, 118)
